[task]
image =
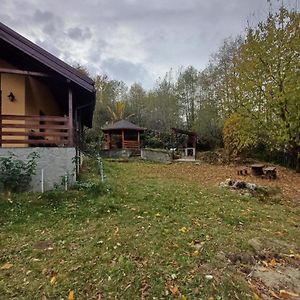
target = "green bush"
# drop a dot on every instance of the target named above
(16, 174)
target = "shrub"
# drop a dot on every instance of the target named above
(16, 174)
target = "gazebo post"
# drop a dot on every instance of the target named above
(108, 141)
(139, 140)
(123, 138)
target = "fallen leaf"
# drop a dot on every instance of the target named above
(273, 262)
(183, 229)
(53, 280)
(195, 253)
(256, 297)
(174, 290)
(183, 297)
(287, 295)
(7, 266)
(71, 295)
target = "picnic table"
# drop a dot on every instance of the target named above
(257, 169)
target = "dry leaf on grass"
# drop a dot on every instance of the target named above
(287, 295)
(71, 295)
(53, 280)
(174, 290)
(6, 266)
(273, 262)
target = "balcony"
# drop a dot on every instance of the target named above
(35, 131)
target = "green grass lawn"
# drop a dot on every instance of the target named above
(139, 236)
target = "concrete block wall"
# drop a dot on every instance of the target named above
(118, 153)
(56, 162)
(156, 155)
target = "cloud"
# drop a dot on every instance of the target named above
(43, 16)
(77, 33)
(132, 40)
(133, 72)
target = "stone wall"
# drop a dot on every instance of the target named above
(117, 153)
(56, 163)
(156, 155)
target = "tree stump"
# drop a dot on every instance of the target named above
(242, 170)
(257, 169)
(270, 172)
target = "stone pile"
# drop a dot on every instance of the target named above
(238, 184)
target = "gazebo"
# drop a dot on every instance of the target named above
(122, 135)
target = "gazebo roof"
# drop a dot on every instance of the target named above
(122, 125)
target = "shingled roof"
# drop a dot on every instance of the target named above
(46, 58)
(27, 56)
(122, 125)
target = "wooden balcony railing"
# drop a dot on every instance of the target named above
(35, 131)
(131, 145)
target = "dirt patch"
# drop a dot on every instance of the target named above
(43, 245)
(279, 278)
(270, 271)
(288, 182)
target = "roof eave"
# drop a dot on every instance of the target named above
(45, 58)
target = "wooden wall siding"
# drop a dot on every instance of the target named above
(131, 145)
(35, 130)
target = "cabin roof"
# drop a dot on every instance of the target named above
(46, 58)
(28, 56)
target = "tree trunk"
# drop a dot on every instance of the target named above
(298, 163)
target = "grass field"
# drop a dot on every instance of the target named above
(141, 235)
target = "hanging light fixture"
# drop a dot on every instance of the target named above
(11, 97)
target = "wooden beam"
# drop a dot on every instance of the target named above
(123, 139)
(35, 134)
(34, 142)
(109, 141)
(35, 118)
(23, 72)
(70, 116)
(0, 111)
(34, 126)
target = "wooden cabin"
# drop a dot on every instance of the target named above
(44, 103)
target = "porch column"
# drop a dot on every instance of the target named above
(0, 112)
(139, 140)
(71, 133)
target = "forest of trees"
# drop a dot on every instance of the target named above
(246, 99)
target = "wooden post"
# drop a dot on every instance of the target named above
(109, 141)
(139, 139)
(123, 137)
(71, 133)
(0, 113)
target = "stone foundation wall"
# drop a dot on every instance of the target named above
(117, 153)
(156, 155)
(56, 163)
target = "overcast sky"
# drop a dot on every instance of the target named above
(131, 40)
